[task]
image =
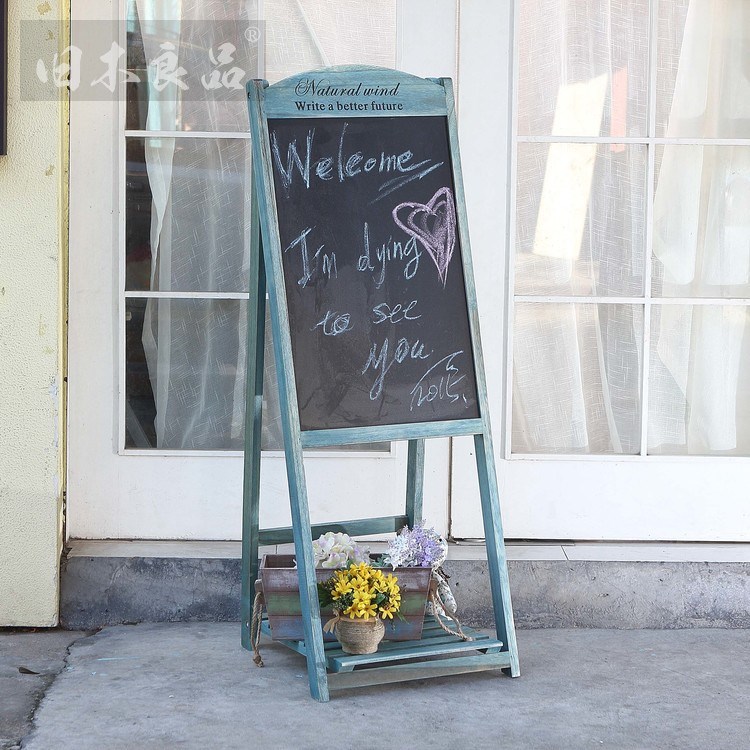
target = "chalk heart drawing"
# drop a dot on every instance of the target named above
(433, 224)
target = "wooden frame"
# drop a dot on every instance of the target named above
(421, 97)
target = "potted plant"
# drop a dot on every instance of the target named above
(280, 587)
(423, 547)
(362, 597)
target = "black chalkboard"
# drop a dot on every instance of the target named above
(372, 271)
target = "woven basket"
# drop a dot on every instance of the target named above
(360, 636)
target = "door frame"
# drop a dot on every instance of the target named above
(133, 494)
(547, 497)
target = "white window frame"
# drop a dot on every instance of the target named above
(123, 295)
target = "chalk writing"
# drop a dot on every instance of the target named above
(334, 324)
(381, 362)
(390, 186)
(345, 165)
(394, 314)
(311, 263)
(371, 262)
(385, 253)
(293, 160)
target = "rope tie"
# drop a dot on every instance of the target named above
(255, 622)
(439, 605)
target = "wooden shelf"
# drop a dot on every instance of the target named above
(436, 654)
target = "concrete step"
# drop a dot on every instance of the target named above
(553, 585)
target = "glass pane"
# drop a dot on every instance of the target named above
(583, 67)
(184, 386)
(701, 237)
(292, 36)
(318, 33)
(185, 377)
(580, 221)
(703, 78)
(187, 209)
(699, 380)
(577, 378)
(188, 65)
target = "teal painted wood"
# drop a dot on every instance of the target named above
(433, 637)
(462, 224)
(413, 664)
(430, 629)
(485, 458)
(496, 560)
(415, 481)
(349, 435)
(422, 98)
(298, 646)
(425, 649)
(346, 91)
(358, 527)
(402, 646)
(256, 316)
(316, 666)
(418, 671)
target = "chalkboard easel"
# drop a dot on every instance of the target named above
(360, 237)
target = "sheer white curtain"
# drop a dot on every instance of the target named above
(580, 229)
(581, 216)
(195, 348)
(200, 212)
(702, 237)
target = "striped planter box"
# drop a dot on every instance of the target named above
(281, 593)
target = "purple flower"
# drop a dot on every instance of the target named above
(418, 547)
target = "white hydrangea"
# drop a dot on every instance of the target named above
(337, 550)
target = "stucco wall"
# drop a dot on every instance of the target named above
(31, 262)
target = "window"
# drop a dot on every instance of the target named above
(186, 203)
(630, 302)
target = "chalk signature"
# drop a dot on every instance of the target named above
(438, 383)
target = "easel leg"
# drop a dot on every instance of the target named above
(496, 561)
(253, 422)
(415, 481)
(308, 587)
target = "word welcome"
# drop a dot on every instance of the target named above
(341, 165)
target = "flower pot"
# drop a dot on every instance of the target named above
(281, 593)
(360, 636)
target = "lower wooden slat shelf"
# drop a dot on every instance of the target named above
(436, 654)
(418, 671)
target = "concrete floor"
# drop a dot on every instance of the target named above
(190, 685)
(29, 662)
